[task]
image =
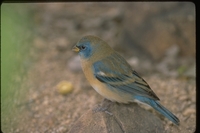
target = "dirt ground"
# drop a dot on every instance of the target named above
(45, 110)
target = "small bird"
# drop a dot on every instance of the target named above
(113, 78)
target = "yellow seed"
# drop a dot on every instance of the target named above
(64, 87)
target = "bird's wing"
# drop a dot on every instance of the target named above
(116, 72)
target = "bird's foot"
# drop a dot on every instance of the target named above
(99, 108)
(103, 107)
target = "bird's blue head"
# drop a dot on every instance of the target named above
(84, 48)
(89, 46)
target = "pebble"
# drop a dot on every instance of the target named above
(189, 111)
(191, 72)
(173, 51)
(64, 87)
(133, 61)
(74, 64)
(183, 98)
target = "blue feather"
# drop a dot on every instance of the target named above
(158, 107)
(117, 80)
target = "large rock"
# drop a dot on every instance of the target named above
(118, 118)
(151, 28)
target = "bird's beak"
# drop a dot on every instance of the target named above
(75, 49)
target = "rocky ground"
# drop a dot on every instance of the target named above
(157, 39)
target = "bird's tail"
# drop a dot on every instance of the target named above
(158, 107)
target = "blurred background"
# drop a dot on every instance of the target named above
(157, 38)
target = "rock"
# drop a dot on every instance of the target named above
(118, 118)
(74, 64)
(169, 63)
(64, 87)
(189, 111)
(159, 26)
(133, 61)
(173, 51)
(191, 72)
(183, 97)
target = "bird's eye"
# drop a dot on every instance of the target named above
(82, 47)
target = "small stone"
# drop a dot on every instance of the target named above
(183, 98)
(189, 111)
(74, 64)
(191, 72)
(133, 61)
(173, 51)
(64, 87)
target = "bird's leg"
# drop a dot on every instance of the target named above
(103, 107)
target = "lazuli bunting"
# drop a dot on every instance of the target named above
(113, 78)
